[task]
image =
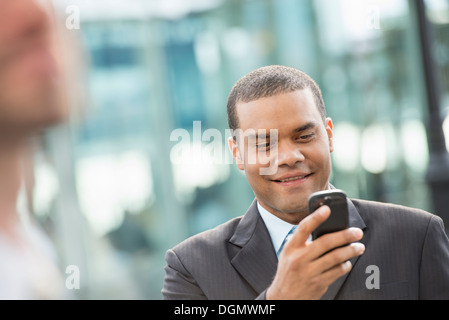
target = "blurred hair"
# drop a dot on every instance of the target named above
(267, 82)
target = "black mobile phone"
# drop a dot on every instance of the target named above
(336, 200)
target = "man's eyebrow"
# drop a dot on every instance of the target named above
(305, 127)
(264, 134)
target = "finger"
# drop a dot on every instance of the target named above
(338, 256)
(331, 275)
(334, 240)
(307, 225)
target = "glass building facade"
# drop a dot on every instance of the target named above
(144, 163)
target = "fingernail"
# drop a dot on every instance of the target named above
(359, 247)
(356, 232)
(347, 265)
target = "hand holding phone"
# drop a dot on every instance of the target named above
(336, 200)
(331, 258)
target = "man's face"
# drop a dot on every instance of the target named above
(29, 71)
(299, 155)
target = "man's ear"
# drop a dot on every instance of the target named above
(330, 133)
(233, 146)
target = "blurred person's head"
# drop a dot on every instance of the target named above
(30, 69)
(33, 94)
(287, 102)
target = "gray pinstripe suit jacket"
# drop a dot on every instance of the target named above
(236, 260)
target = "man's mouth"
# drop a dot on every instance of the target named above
(293, 178)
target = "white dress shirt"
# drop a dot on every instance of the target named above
(277, 228)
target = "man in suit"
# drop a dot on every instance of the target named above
(282, 141)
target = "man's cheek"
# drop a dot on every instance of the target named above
(272, 167)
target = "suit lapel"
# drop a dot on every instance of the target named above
(355, 220)
(254, 258)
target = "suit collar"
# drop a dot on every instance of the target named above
(355, 220)
(246, 226)
(255, 260)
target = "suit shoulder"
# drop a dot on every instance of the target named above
(208, 247)
(383, 205)
(393, 214)
(389, 207)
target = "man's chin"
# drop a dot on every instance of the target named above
(292, 208)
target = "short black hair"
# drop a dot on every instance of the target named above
(267, 82)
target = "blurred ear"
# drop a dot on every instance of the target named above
(330, 133)
(233, 146)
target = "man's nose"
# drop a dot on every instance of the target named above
(289, 154)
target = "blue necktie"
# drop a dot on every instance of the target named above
(287, 237)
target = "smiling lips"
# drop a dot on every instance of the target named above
(292, 178)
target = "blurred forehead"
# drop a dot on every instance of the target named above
(16, 12)
(21, 20)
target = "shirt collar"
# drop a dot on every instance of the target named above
(277, 228)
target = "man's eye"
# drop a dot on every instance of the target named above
(263, 145)
(306, 137)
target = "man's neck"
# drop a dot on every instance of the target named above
(292, 217)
